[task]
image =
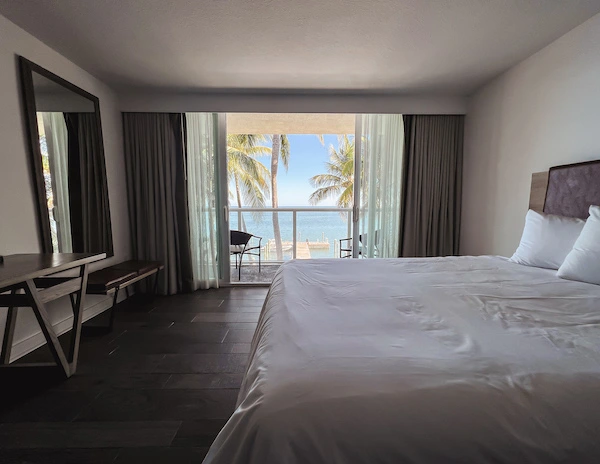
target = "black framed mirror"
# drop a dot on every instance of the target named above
(67, 160)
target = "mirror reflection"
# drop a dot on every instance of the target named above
(72, 159)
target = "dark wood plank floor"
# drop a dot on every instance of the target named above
(157, 389)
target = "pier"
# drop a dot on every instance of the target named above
(302, 248)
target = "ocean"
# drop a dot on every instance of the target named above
(314, 226)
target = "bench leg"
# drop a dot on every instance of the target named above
(155, 289)
(113, 309)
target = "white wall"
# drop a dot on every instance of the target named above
(278, 102)
(18, 227)
(541, 113)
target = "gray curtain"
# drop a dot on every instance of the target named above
(433, 185)
(156, 190)
(88, 197)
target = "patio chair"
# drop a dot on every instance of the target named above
(346, 245)
(240, 246)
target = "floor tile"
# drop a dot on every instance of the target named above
(240, 347)
(198, 433)
(202, 363)
(48, 405)
(239, 336)
(87, 434)
(200, 381)
(236, 306)
(58, 456)
(157, 317)
(89, 382)
(226, 317)
(170, 341)
(160, 405)
(192, 305)
(228, 325)
(125, 363)
(161, 455)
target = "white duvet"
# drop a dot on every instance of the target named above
(441, 360)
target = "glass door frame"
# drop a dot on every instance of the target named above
(356, 187)
(223, 200)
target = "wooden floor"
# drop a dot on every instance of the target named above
(156, 390)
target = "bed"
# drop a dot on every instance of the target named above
(435, 360)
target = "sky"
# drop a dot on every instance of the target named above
(307, 158)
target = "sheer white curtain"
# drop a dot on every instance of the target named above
(57, 142)
(382, 142)
(202, 190)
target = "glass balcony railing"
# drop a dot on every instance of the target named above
(304, 233)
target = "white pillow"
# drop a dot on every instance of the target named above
(583, 262)
(547, 240)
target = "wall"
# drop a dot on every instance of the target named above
(278, 102)
(18, 227)
(541, 113)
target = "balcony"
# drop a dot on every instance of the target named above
(306, 233)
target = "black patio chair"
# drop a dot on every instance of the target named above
(240, 246)
(346, 245)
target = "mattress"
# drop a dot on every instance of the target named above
(437, 360)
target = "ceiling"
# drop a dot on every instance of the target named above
(378, 46)
(290, 123)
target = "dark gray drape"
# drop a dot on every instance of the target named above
(156, 190)
(433, 157)
(88, 194)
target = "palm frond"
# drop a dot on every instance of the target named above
(252, 177)
(323, 193)
(325, 180)
(339, 177)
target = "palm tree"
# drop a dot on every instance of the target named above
(280, 149)
(339, 180)
(250, 178)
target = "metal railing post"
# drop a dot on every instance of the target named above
(294, 238)
(349, 223)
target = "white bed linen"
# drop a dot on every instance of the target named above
(440, 360)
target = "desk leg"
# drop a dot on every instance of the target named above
(77, 318)
(9, 333)
(41, 315)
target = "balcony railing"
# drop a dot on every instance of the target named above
(306, 233)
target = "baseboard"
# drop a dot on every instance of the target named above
(37, 340)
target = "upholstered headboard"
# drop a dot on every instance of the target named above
(567, 190)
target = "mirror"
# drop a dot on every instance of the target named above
(67, 156)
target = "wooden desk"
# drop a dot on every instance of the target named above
(31, 274)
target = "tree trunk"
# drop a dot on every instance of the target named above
(276, 148)
(241, 225)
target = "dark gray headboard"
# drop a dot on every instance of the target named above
(572, 188)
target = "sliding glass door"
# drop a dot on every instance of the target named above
(351, 194)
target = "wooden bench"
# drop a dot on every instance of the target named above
(112, 279)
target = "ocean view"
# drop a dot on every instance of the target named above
(314, 226)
